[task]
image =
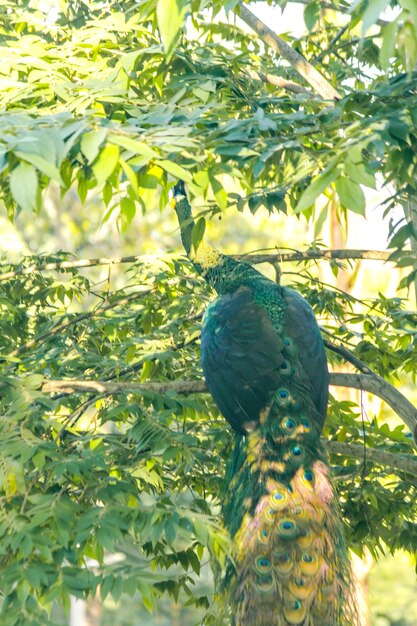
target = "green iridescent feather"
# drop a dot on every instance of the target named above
(265, 366)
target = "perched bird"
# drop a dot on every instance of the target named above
(265, 366)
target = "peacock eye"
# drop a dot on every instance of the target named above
(296, 451)
(306, 425)
(288, 424)
(287, 525)
(283, 394)
(307, 558)
(284, 558)
(263, 564)
(308, 475)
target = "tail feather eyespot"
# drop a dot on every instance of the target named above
(263, 564)
(301, 588)
(288, 528)
(310, 564)
(264, 536)
(283, 562)
(265, 584)
(278, 499)
(295, 612)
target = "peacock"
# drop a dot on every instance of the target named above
(265, 366)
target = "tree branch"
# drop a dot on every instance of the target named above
(62, 265)
(340, 8)
(371, 383)
(305, 255)
(277, 81)
(349, 356)
(105, 306)
(296, 60)
(68, 386)
(277, 257)
(378, 386)
(404, 462)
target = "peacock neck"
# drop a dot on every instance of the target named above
(186, 221)
(220, 271)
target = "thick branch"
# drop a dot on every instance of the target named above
(404, 462)
(296, 60)
(372, 383)
(378, 386)
(67, 387)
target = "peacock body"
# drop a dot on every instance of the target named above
(265, 366)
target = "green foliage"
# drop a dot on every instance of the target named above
(84, 476)
(117, 100)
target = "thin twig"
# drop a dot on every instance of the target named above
(306, 255)
(269, 257)
(36, 341)
(340, 8)
(320, 84)
(62, 265)
(335, 39)
(349, 356)
(277, 81)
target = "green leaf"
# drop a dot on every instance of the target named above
(372, 13)
(128, 209)
(24, 186)
(175, 169)
(194, 562)
(311, 14)
(135, 146)
(318, 224)
(219, 192)
(130, 175)
(170, 16)
(91, 142)
(387, 50)
(407, 45)
(316, 187)
(411, 6)
(351, 195)
(106, 162)
(355, 168)
(44, 166)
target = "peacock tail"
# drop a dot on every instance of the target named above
(265, 366)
